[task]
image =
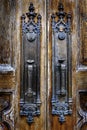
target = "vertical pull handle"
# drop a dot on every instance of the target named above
(30, 66)
(58, 80)
(30, 71)
(63, 80)
(30, 83)
(61, 63)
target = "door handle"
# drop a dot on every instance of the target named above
(30, 65)
(61, 64)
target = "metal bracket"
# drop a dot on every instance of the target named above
(30, 65)
(61, 64)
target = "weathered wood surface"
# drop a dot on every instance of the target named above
(79, 73)
(10, 34)
(40, 7)
(53, 122)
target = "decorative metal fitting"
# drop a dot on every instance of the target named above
(61, 64)
(30, 66)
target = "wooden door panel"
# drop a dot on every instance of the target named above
(78, 78)
(40, 121)
(53, 122)
(10, 50)
(10, 65)
(81, 65)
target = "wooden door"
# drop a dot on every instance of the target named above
(11, 63)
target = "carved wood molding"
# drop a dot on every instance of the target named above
(82, 109)
(6, 110)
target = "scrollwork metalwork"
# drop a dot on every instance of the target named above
(61, 64)
(30, 70)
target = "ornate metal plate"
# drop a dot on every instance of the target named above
(30, 64)
(61, 64)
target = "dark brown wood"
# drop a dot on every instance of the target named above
(53, 122)
(10, 56)
(82, 32)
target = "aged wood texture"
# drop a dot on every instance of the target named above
(81, 79)
(82, 30)
(10, 53)
(40, 7)
(7, 73)
(4, 32)
(53, 123)
(7, 31)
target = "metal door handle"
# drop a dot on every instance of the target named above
(30, 70)
(61, 64)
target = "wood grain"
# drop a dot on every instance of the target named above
(22, 8)
(11, 82)
(53, 122)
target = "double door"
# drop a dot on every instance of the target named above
(43, 65)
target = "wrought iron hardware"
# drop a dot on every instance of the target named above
(61, 64)
(30, 65)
